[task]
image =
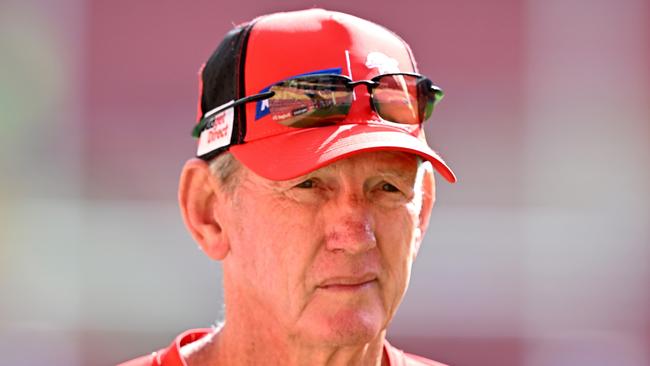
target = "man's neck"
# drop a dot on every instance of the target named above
(228, 346)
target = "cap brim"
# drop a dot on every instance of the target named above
(299, 152)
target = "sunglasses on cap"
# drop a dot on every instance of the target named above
(325, 99)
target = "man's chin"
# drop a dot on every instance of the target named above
(346, 328)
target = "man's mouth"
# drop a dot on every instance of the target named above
(349, 283)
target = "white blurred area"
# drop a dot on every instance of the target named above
(553, 269)
(41, 210)
(588, 183)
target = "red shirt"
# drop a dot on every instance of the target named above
(171, 356)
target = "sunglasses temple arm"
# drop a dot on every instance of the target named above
(254, 98)
(196, 131)
(437, 92)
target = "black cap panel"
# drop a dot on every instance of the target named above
(223, 80)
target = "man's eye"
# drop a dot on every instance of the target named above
(309, 183)
(387, 187)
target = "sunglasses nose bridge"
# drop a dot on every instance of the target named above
(368, 83)
(362, 109)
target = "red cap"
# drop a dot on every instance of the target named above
(284, 45)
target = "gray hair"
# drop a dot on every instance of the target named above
(225, 167)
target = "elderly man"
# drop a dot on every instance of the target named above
(313, 185)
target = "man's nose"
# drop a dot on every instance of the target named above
(351, 228)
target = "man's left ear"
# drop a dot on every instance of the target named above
(428, 200)
(200, 195)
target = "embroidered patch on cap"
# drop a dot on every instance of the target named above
(218, 132)
(382, 63)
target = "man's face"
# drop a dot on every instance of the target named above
(326, 257)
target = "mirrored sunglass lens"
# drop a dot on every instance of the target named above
(310, 101)
(396, 99)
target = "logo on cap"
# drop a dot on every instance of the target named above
(217, 133)
(383, 63)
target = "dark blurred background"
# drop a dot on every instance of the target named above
(539, 256)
